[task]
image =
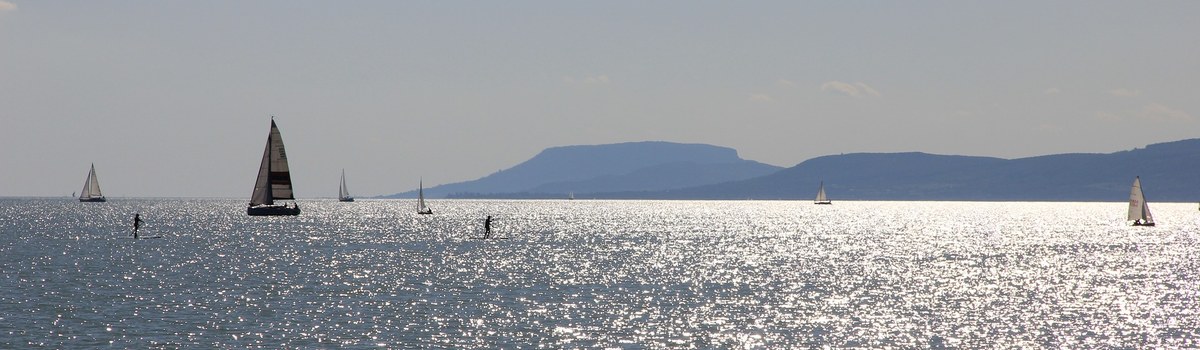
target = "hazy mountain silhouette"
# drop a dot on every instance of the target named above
(634, 166)
(1169, 171)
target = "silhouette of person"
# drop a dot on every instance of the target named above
(137, 223)
(487, 227)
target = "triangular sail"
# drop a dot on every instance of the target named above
(343, 192)
(91, 186)
(821, 199)
(421, 196)
(1138, 209)
(274, 179)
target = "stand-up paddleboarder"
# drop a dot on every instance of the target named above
(137, 223)
(487, 227)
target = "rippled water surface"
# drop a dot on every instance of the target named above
(587, 274)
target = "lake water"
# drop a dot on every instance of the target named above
(598, 274)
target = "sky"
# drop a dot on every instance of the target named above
(174, 98)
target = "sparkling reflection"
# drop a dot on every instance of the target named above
(589, 274)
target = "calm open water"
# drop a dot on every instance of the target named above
(598, 274)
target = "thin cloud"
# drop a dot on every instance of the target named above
(785, 83)
(600, 79)
(1052, 91)
(1108, 117)
(1154, 112)
(856, 90)
(867, 89)
(1122, 92)
(7, 6)
(761, 98)
(1158, 112)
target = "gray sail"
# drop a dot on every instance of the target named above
(821, 199)
(343, 192)
(421, 208)
(274, 180)
(91, 186)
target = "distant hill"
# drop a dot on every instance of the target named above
(634, 166)
(1169, 171)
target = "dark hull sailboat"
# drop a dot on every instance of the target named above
(421, 208)
(91, 188)
(273, 210)
(274, 181)
(343, 192)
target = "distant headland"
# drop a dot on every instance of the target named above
(663, 170)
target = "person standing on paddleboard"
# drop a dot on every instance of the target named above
(137, 223)
(487, 227)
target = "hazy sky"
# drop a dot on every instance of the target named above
(174, 98)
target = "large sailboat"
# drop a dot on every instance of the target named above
(821, 199)
(421, 208)
(343, 193)
(1139, 211)
(91, 188)
(274, 180)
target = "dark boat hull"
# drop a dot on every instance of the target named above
(345, 199)
(426, 212)
(93, 200)
(273, 210)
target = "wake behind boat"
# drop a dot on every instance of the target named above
(91, 188)
(1139, 211)
(274, 180)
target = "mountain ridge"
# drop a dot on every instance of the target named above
(645, 165)
(1170, 171)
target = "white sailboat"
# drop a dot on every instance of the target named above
(821, 199)
(91, 188)
(421, 208)
(274, 180)
(343, 193)
(1139, 211)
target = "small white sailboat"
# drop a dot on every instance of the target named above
(821, 199)
(1139, 211)
(343, 193)
(571, 195)
(421, 208)
(91, 188)
(274, 180)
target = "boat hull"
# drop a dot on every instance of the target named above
(822, 202)
(425, 212)
(273, 210)
(345, 199)
(93, 200)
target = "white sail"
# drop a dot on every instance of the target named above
(91, 186)
(1138, 209)
(821, 199)
(274, 179)
(421, 208)
(343, 192)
